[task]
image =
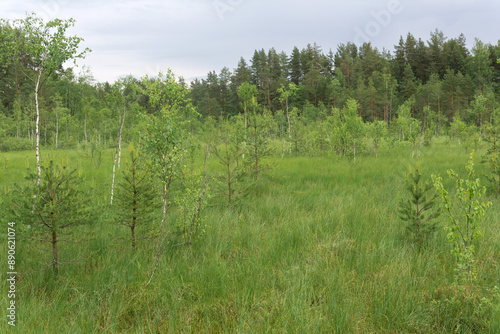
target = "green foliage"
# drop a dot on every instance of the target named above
(228, 148)
(463, 308)
(492, 156)
(135, 196)
(377, 131)
(316, 234)
(419, 210)
(407, 127)
(45, 43)
(57, 204)
(94, 151)
(465, 212)
(164, 140)
(258, 145)
(353, 126)
(190, 224)
(15, 144)
(313, 232)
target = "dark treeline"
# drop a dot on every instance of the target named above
(440, 73)
(439, 76)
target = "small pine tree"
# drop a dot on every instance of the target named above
(258, 145)
(54, 206)
(227, 148)
(419, 210)
(135, 196)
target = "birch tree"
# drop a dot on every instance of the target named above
(164, 143)
(42, 48)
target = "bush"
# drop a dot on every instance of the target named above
(15, 144)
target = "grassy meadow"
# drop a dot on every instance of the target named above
(317, 248)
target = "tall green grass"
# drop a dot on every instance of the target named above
(317, 248)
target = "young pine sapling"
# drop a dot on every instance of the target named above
(227, 149)
(135, 196)
(419, 208)
(60, 204)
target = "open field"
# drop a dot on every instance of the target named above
(318, 248)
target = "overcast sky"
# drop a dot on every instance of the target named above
(193, 37)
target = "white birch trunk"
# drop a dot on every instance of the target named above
(122, 121)
(113, 181)
(37, 130)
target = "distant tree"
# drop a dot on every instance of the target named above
(377, 131)
(479, 65)
(409, 83)
(285, 93)
(436, 50)
(247, 93)
(409, 128)
(295, 67)
(354, 127)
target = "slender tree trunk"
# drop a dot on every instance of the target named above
(245, 141)
(229, 183)
(85, 127)
(354, 149)
(283, 137)
(118, 154)
(288, 119)
(57, 130)
(55, 261)
(37, 130)
(122, 121)
(132, 229)
(256, 156)
(113, 181)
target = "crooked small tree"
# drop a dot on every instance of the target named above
(42, 48)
